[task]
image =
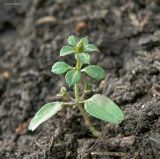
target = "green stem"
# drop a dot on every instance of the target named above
(73, 103)
(80, 106)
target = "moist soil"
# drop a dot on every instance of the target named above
(127, 33)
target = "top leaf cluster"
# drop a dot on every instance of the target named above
(81, 49)
(73, 43)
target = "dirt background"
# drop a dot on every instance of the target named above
(128, 34)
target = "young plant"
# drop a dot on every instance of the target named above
(99, 106)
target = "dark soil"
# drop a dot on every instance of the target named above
(128, 34)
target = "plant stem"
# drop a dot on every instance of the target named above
(80, 106)
(73, 103)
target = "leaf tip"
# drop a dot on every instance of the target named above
(30, 127)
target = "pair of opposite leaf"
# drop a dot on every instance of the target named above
(98, 105)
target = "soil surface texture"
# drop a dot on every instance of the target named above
(128, 34)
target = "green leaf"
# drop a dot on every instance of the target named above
(84, 58)
(60, 67)
(46, 112)
(72, 77)
(94, 71)
(66, 50)
(62, 92)
(89, 86)
(91, 48)
(72, 40)
(104, 108)
(79, 47)
(85, 40)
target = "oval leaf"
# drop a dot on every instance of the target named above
(60, 67)
(72, 77)
(72, 40)
(84, 58)
(66, 50)
(46, 112)
(94, 71)
(91, 48)
(85, 40)
(104, 108)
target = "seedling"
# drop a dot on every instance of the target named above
(99, 106)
